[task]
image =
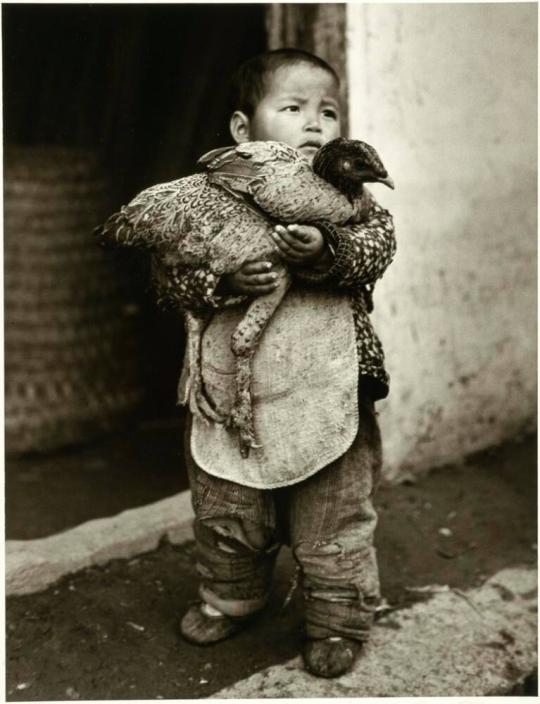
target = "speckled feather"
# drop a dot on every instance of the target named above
(281, 182)
(219, 219)
(208, 218)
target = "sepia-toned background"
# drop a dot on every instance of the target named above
(103, 100)
(106, 100)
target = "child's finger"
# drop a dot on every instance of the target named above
(257, 267)
(290, 257)
(299, 233)
(258, 289)
(260, 279)
(288, 242)
(286, 251)
(261, 289)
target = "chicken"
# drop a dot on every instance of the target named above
(223, 217)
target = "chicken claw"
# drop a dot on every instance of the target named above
(241, 420)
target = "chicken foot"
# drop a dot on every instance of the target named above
(244, 342)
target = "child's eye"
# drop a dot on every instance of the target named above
(330, 113)
(291, 108)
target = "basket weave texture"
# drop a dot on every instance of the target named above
(72, 361)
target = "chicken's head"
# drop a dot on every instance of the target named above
(349, 163)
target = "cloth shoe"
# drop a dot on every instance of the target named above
(204, 625)
(330, 657)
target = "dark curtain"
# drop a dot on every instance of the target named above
(146, 87)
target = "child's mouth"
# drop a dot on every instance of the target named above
(309, 150)
(310, 146)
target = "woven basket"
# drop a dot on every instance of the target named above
(71, 329)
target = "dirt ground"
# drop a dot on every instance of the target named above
(110, 632)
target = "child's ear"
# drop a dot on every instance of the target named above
(239, 126)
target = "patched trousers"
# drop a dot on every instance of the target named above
(328, 520)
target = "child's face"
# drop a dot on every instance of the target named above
(300, 108)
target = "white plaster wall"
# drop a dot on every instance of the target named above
(447, 94)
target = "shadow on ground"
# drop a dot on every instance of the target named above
(48, 493)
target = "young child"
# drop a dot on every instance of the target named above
(319, 370)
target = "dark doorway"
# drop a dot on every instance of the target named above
(146, 88)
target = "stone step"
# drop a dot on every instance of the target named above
(480, 642)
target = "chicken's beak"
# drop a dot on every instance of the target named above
(387, 182)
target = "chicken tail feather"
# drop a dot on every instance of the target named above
(117, 230)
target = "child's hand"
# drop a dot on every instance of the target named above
(299, 244)
(252, 279)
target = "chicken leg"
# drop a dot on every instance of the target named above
(244, 343)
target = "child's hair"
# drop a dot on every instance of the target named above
(248, 82)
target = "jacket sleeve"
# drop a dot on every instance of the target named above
(189, 288)
(361, 252)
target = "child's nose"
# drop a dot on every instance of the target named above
(313, 124)
(312, 120)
